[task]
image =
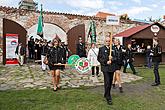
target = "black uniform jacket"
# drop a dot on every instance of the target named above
(119, 55)
(56, 55)
(129, 55)
(80, 50)
(157, 54)
(103, 57)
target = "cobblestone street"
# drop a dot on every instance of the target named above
(31, 76)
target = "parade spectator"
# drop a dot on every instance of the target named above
(20, 52)
(142, 48)
(37, 49)
(44, 51)
(67, 50)
(148, 56)
(129, 58)
(56, 57)
(107, 67)
(134, 46)
(156, 59)
(31, 47)
(64, 50)
(92, 57)
(80, 48)
(50, 44)
(119, 49)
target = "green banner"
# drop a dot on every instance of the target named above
(92, 32)
(40, 24)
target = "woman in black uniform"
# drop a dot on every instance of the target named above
(119, 62)
(56, 57)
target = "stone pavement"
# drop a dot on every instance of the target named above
(31, 76)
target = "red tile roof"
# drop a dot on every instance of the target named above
(131, 31)
(104, 15)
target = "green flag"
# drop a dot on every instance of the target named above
(92, 32)
(40, 24)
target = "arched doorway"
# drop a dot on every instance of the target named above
(50, 30)
(73, 35)
(12, 28)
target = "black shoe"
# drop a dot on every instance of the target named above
(55, 89)
(58, 87)
(155, 84)
(113, 85)
(135, 73)
(109, 102)
(121, 89)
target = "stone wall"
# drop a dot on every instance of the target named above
(28, 18)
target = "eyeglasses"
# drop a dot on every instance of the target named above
(107, 41)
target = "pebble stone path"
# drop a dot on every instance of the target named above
(31, 76)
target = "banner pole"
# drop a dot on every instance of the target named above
(110, 54)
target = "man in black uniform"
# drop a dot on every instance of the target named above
(129, 58)
(80, 48)
(31, 47)
(107, 67)
(156, 59)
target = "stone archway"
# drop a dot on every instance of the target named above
(50, 30)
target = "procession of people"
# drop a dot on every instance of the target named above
(110, 59)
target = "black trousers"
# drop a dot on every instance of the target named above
(31, 54)
(108, 77)
(93, 70)
(131, 66)
(156, 72)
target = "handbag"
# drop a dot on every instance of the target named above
(45, 60)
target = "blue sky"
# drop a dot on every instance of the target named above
(139, 9)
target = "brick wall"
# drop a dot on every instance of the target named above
(66, 21)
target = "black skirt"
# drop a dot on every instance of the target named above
(118, 66)
(55, 67)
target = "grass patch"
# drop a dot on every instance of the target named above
(85, 99)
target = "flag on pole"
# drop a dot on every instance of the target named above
(92, 32)
(40, 24)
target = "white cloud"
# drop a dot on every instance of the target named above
(92, 4)
(163, 7)
(47, 1)
(82, 12)
(13, 3)
(115, 3)
(154, 5)
(135, 11)
(137, 1)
